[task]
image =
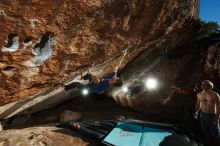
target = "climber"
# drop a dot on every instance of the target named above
(12, 43)
(208, 104)
(97, 85)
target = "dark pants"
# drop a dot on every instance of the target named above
(79, 85)
(208, 125)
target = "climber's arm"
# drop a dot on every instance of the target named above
(95, 78)
(120, 61)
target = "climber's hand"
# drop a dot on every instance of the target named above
(125, 52)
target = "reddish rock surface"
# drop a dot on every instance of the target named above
(35, 130)
(41, 136)
(86, 32)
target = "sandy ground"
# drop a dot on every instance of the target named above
(39, 129)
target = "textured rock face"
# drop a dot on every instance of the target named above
(212, 62)
(41, 136)
(86, 33)
(173, 70)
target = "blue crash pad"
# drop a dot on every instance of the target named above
(125, 134)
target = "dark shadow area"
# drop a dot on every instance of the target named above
(10, 39)
(93, 108)
(9, 68)
(27, 39)
(45, 38)
(174, 140)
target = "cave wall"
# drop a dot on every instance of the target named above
(178, 69)
(87, 33)
(211, 62)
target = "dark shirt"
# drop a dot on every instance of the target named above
(103, 85)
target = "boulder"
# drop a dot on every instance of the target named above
(69, 116)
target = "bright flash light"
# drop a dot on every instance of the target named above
(85, 92)
(151, 83)
(125, 89)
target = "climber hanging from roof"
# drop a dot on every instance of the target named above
(97, 85)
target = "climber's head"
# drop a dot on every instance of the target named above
(116, 81)
(207, 85)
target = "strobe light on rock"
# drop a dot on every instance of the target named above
(151, 83)
(125, 89)
(85, 91)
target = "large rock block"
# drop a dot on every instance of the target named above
(85, 32)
